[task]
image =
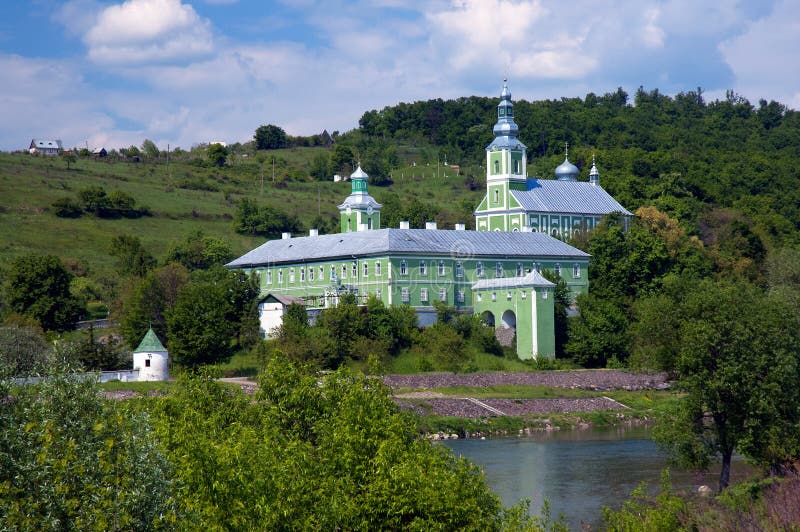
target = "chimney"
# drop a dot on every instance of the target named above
(430, 225)
(460, 227)
(313, 232)
(404, 224)
(286, 236)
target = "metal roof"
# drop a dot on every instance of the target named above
(579, 197)
(450, 243)
(150, 344)
(534, 278)
(45, 143)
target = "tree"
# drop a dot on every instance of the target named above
(599, 332)
(38, 286)
(217, 154)
(23, 350)
(739, 365)
(69, 158)
(342, 160)
(200, 252)
(253, 219)
(150, 149)
(71, 460)
(269, 137)
(133, 258)
(145, 302)
(561, 304)
(319, 167)
(207, 315)
(329, 453)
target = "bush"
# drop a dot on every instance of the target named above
(67, 208)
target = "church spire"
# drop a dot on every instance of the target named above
(505, 126)
(594, 175)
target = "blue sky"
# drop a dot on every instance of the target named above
(183, 72)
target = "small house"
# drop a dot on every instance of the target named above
(45, 147)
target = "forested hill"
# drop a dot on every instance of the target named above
(681, 154)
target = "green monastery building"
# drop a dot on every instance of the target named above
(493, 272)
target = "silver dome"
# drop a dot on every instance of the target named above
(567, 171)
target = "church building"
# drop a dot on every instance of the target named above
(493, 272)
(513, 201)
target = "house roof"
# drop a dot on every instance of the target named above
(534, 278)
(45, 143)
(150, 343)
(284, 299)
(465, 244)
(580, 197)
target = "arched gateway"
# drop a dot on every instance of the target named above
(524, 304)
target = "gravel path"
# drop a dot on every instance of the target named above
(599, 380)
(511, 407)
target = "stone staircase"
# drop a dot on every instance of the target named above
(505, 335)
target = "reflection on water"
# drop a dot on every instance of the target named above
(578, 471)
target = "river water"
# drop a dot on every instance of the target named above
(578, 471)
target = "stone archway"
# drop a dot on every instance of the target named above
(488, 318)
(509, 319)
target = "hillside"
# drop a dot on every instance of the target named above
(726, 170)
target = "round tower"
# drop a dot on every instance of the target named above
(359, 211)
(151, 359)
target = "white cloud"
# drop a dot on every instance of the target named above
(652, 34)
(764, 57)
(138, 31)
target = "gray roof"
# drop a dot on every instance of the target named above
(45, 143)
(460, 244)
(359, 200)
(534, 278)
(580, 197)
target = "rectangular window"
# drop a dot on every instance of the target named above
(544, 294)
(344, 271)
(333, 273)
(423, 294)
(269, 276)
(441, 267)
(443, 294)
(479, 297)
(311, 274)
(321, 273)
(498, 269)
(366, 270)
(537, 267)
(558, 269)
(459, 269)
(576, 270)
(378, 294)
(523, 294)
(403, 268)
(404, 295)
(302, 275)
(291, 275)
(280, 276)
(423, 268)
(460, 296)
(147, 363)
(479, 269)
(519, 269)
(354, 271)
(378, 269)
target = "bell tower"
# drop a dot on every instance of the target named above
(360, 211)
(506, 163)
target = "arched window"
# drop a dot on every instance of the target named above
(496, 196)
(497, 167)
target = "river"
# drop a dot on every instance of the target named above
(577, 471)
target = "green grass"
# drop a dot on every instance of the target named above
(242, 364)
(29, 185)
(414, 361)
(141, 387)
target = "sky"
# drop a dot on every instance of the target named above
(183, 72)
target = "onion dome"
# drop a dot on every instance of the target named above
(505, 129)
(359, 174)
(567, 171)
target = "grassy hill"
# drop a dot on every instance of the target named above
(182, 197)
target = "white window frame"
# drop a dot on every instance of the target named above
(519, 269)
(461, 295)
(576, 271)
(443, 294)
(280, 276)
(403, 267)
(378, 269)
(333, 272)
(344, 272)
(302, 275)
(311, 274)
(378, 294)
(459, 269)
(291, 275)
(498, 269)
(354, 271)
(423, 294)
(269, 276)
(479, 269)
(557, 269)
(441, 268)
(404, 296)
(423, 268)
(365, 269)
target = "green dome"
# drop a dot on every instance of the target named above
(150, 343)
